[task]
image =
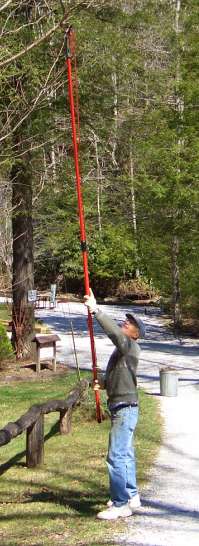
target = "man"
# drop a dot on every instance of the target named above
(121, 387)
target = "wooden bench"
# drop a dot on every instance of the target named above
(45, 341)
(42, 300)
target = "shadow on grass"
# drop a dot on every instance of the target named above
(87, 508)
(81, 505)
(74, 500)
(11, 462)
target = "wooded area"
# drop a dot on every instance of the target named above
(138, 87)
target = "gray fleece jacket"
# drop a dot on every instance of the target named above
(120, 379)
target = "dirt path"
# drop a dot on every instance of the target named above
(170, 504)
(159, 348)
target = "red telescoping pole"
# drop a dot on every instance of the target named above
(82, 223)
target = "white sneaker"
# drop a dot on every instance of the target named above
(134, 503)
(115, 512)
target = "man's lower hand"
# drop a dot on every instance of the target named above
(96, 385)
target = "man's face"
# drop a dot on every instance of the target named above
(130, 329)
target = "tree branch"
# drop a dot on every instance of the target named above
(5, 5)
(10, 60)
(16, 30)
(36, 99)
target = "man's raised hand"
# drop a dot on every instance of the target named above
(90, 302)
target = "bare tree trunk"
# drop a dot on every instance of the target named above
(115, 110)
(176, 296)
(23, 270)
(134, 218)
(177, 318)
(51, 94)
(99, 183)
(53, 162)
(5, 235)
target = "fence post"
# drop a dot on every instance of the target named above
(65, 421)
(35, 443)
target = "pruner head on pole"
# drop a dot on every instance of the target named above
(68, 34)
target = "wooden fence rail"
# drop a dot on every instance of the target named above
(33, 422)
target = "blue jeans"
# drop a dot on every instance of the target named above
(121, 457)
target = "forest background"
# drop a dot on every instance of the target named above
(138, 85)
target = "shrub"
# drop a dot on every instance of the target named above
(136, 289)
(6, 351)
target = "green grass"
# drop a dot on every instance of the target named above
(4, 312)
(57, 503)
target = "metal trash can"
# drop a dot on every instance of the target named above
(168, 382)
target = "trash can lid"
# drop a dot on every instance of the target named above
(168, 369)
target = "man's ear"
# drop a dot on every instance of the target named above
(137, 334)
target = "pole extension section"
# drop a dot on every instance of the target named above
(81, 219)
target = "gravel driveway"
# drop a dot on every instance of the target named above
(170, 503)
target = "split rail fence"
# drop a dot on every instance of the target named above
(33, 423)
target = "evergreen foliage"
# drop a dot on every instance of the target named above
(138, 95)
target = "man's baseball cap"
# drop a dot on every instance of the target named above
(138, 322)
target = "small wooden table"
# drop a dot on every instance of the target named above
(45, 341)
